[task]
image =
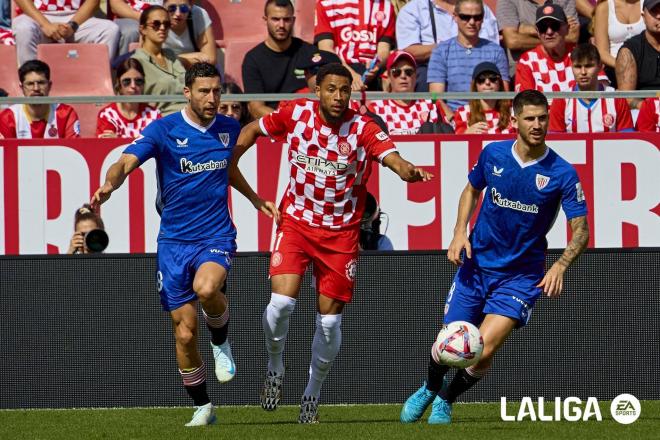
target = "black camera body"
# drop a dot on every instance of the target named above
(96, 240)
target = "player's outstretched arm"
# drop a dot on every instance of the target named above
(114, 178)
(406, 170)
(466, 205)
(246, 139)
(553, 281)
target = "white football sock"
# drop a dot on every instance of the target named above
(325, 346)
(275, 322)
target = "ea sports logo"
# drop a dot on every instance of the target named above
(625, 408)
(344, 148)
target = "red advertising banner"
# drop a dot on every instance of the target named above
(43, 183)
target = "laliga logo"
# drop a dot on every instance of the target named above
(625, 409)
(364, 35)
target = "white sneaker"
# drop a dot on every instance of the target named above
(204, 415)
(309, 410)
(225, 368)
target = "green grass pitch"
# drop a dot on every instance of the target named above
(360, 422)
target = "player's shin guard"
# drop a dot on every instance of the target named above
(436, 374)
(194, 380)
(218, 325)
(325, 346)
(275, 322)
(463, 381)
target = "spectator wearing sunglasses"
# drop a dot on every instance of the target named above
(422, 24)
(547, 67)
(163, 72)
(481, 116)
(453, 61)
(234, 109)
(126, 119)
(404, 116)
(191, 35)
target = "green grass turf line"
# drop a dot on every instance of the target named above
(361, 422)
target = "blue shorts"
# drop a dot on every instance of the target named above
(177, 263)
(475, 294)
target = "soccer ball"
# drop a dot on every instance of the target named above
(459, 344)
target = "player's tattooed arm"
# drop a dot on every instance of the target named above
(578, 243)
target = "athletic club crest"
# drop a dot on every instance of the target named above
(344, 148)
(541, 181)
(224, 138)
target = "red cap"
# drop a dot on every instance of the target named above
(398, 55)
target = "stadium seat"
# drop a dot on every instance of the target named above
(236, 20)
(78, 69)
(9, 71)
(87, 113)
(234, 53)
(304, 27)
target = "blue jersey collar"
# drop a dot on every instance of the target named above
(193, 124)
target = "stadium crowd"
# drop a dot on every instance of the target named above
(387, 45)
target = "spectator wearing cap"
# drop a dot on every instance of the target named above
(547, 67)
(583, 115)
(60, 21)
(270, 66)
(453, 61)
(648, 119)
(422, 24)
(404, 116)
(517, 21)
(480, 116)
(358, 31)
(311, 63)
(638, 61)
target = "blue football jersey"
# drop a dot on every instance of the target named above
(521, 202)
(193, 181)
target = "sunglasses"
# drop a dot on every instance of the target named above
(126, 82)
(492, 78)
(397, 71)
(183, 8)
(467, 17)
(551, 24)
(157, 24)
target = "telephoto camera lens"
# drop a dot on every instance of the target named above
(96, 240)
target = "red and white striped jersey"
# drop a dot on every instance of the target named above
(330, 165)
(601, 116)
(7, 37)
(355, 26)
(462, 117)
(405, 119)
(648, 118)
(111, 119)
(58, 5)
(137, 5)
(537, 71)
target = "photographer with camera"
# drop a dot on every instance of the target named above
(370, 237)
(89, 232)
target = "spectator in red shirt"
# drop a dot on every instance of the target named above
(126, 119)
(38, 121)
(485, 115)
(648, 118)
(341, 27)
(583, 115)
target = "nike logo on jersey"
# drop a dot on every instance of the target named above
(497, 171)
(182, 143)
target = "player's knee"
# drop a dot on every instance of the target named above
(206, 288)
(185, 335)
